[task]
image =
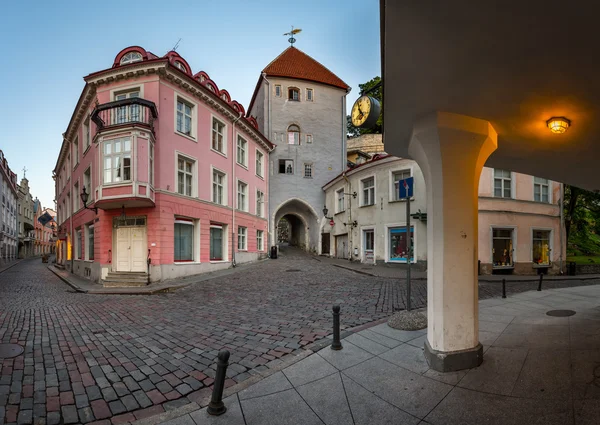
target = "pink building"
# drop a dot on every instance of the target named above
(520, 226)
(177, 172)
(44, 233)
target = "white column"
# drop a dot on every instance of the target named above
(451, 150)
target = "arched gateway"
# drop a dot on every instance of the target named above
(302, 225)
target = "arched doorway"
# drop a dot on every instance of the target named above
(295, 223)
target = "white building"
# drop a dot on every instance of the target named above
(8, 212)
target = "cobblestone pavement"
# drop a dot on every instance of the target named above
(113, 359)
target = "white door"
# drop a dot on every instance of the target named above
(131, 249)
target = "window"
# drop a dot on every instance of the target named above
(242, 242)
(369, 240)
(131, 57)
(76, 197)
(184, 117)
(293, 94)
(76, 150)
(309, 95)
(151, 165)
(259, 163)
(502, 184)
(77, 244)
(86, 134)
(341, 202)
(293, 135)
(130, 113)
(260, 200)
(540, 246)
(541, 190)
(368, 191)
(117, 160)
(185, 173)
(398, 244)
(87, 183)
(259, 240)
(218, 130)
(277, 90)
(396, 177)
(90, 242)
(184, 240)
(308, 171)
(218, 187)
(309, 139)
(502, 248)
(180, 65)
(286, 166)
(216, 243)
(242, 196)
(241, 151)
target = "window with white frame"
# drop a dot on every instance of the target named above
(76, 151)
(308, 170)
(242, 238)
(242, 196)
(260, 200)
(131, 57)
(76, 197)
(368, 191)
(89, 245)
(541, 190)
(309, 139)
(185, 175)
(218, 131)
(129, 113)
(87, 183)
(216, 242)
(502, 248)
(277, 90)
(184, 117)
(117, 160)
(286, 166)
(151, 164)
(78, 244)
(540, 246)
(294, 93)
(86, 134)
(260, 240)
(341, 201)
(180, 65)
(293, 135)
(396, 177)
(218, 187)
(259, 164)
(309, 95)
(502, 183)
(184, 240)
(242, 149)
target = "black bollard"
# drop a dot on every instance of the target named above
(540, 284)
(216, 406)
(503, 288)
(336, 345)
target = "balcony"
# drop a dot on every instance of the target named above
(130, 112)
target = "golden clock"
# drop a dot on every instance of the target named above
(365, 112)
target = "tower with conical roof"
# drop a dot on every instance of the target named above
(301, 106)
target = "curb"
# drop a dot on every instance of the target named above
(11, 266)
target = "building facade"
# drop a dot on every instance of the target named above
(44, 233)
(9, 231)
(26, 224)
(520, 224)
(301, 106)
(177, 172)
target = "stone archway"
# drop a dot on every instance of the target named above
(303, 224)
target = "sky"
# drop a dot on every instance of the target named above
(49, 46)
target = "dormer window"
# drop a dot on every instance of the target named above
(293, 94)
(181, 66)
(131, 57)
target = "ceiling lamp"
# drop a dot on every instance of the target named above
(558, 125)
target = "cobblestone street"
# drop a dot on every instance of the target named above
(113, 359)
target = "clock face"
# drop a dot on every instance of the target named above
(361, 110)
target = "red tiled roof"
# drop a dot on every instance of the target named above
(294, 63)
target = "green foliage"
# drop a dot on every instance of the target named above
(377, 94)
(582, 221)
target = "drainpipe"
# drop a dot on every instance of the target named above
(233, 190)
(349, 221)
(69, 207)
(269, 128)
(562, 223)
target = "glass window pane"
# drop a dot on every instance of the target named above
(188, 181)
(507, 192)
(184, 242)
(179, 106)
(107, 148)
(127, 145)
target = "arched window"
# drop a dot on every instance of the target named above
(293, 135)
(294, 93)
(131, 57)
(180, 65)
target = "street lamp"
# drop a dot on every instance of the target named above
(325, 211)
(84, 198)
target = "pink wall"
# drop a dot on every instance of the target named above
(522, 186)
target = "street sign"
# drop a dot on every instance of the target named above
(405, 188)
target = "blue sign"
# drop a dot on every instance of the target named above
(405, 188)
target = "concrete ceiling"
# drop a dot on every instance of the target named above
(513, 63)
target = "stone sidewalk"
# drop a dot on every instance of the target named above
(536, 369)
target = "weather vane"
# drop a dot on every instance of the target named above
(292, 33)
(24, 172)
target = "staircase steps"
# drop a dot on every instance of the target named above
(125, 279)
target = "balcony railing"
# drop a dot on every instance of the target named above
(125, 112)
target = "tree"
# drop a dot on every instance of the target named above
(377, 94)
(582, 219)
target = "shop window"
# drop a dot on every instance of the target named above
(541, 247)
(502, 248)
(184, 240)
(398, 244)
(216, 243)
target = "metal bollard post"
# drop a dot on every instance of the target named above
(216, 406)
(336, 345)
(503, 288)
(540, 284)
